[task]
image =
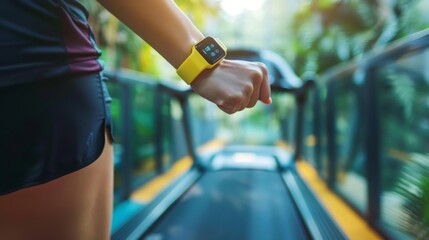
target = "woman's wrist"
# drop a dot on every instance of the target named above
(184, 49)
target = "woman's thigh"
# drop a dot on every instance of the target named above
(75, 206)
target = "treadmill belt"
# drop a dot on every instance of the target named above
(245, 204)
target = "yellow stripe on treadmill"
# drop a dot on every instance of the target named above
(354, 226)
(215, 144)
(150, 190)
(285, 145)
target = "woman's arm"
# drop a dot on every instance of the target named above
(232, 85)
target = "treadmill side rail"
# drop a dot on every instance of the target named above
(319, 223)
(143, 220)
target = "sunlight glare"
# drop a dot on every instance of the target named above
(236, 7)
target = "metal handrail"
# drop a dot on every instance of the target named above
(413, 43)
(362, 69)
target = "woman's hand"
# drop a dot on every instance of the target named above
(234, 85)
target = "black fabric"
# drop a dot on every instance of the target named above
(42, 39)
(50, 128)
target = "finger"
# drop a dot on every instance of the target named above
(226, 110)
(239, 107)
(257, 80)
(265, 90)
(229, 107)
(253, 99)
(255, 94)
(247, 92)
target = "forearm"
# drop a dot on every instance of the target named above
(231, 85)
(160, 23)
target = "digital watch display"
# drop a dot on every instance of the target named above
(204, 55)
(210, 49)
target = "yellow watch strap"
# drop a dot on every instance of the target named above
(193, 65)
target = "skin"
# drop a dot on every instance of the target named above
(79, 205)
(232, 85)
(75, 206)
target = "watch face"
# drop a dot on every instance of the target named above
(210, 49)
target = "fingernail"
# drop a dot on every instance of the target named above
(270, 100)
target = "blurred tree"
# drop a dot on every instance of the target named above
(412, 186)
(327, 32)
(123, 48)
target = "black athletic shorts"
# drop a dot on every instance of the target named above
(51, 128)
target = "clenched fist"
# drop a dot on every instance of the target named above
(234, 85)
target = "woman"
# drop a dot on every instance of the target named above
(55, 143)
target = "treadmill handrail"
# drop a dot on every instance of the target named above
(285, 80)
(413, 43)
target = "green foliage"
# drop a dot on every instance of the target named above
(425, 187)
(328, 32)
(199, 10)
(127, 50)
(413, 187)
(403, 88)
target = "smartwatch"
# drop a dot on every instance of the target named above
(205, 54)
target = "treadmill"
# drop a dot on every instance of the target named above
(238, 192)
